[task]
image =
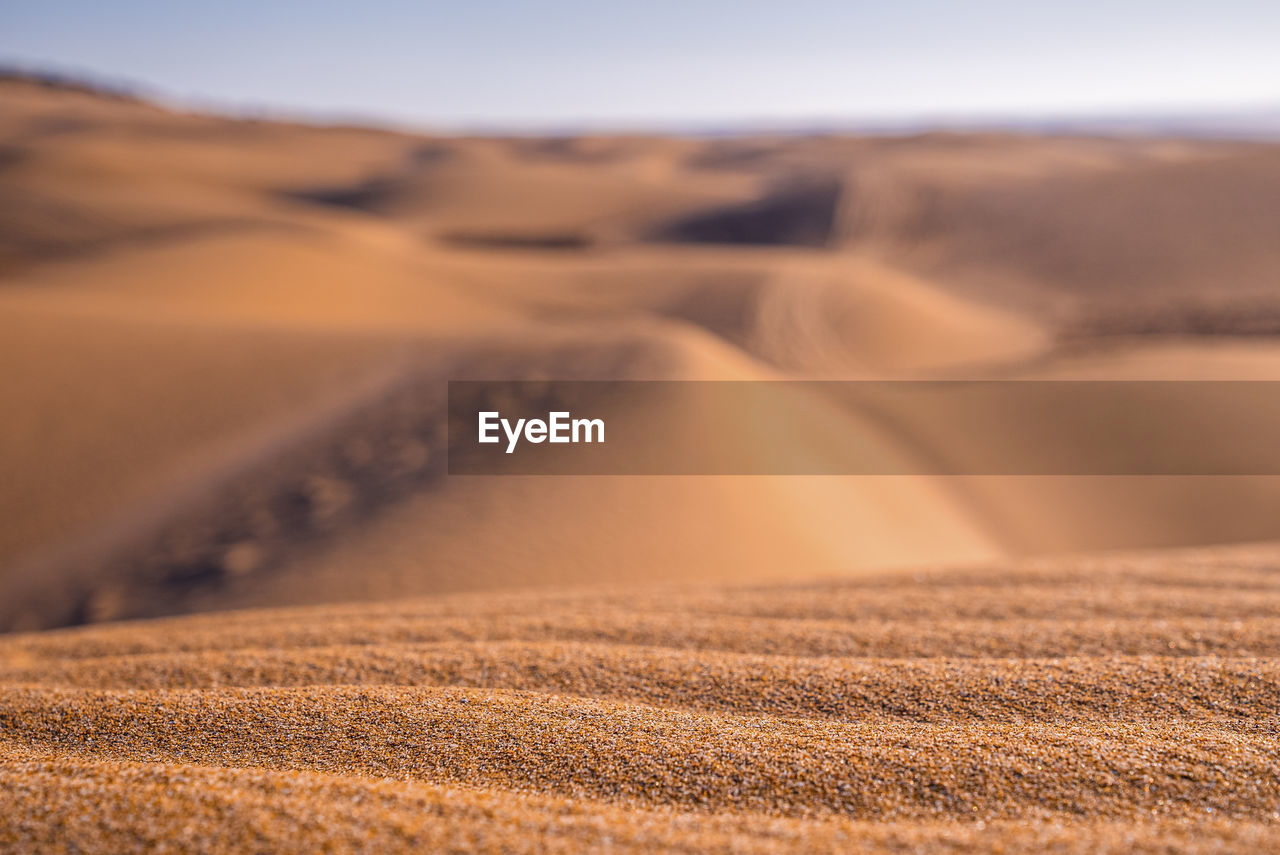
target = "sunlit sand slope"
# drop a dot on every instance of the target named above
(1120, 703)
(226, 342)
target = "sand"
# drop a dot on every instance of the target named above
(233, 336)
(245, 607)
(1030, 706)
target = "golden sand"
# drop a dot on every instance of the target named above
(227, 344)
(229, 333)
(1121, 704)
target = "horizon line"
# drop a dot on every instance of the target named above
(1252, 120)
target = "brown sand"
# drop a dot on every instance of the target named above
(232, 336)
(1026, 707)
(225, 345)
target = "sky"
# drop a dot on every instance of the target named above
(505, 63)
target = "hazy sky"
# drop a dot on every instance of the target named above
(703, 61)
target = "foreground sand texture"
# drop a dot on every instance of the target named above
(1125, 704)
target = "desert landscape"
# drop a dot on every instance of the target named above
(246, 607)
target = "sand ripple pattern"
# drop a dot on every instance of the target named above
(1126, 704)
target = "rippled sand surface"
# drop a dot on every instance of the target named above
(1117, 704)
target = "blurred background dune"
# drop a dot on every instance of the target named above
(227, 341)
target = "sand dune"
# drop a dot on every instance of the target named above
(659, 718)
(392, 815)
(321, 281)
(228, 343)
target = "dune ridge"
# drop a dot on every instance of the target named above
(302, 291)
